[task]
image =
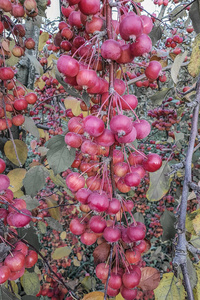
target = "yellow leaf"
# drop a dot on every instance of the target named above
(119, 297)
(194, 65)
(192, 222)
(196, 224)
(22, 151)
(59, 181)
(79, 256)
(34, 163)
(196, 290)
(94, 296)
(18, 194)
(39, 83)
(43, 134)
(74, 104)
(169, 288)
(76, 262)
(180, 173)
(63, 235)
(42, 40)
(13, 60)
(61, 252)
(14, 287)
(16, 177)
(189, 225)
(118, 74)
(54, 212)
(50, 60)
(37, 270)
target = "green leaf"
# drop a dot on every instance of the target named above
(191, 272)
(138, 217)
(175, 13)
(29, 125)
(159, 183)
(158, 97)
(59, 181)
(5, 294)
(34, 180)
(30, 235)
(54, 224)
(42, 227)
(196, 156)
(155, 34)
(86, 98)
(167, 221)
(30, 283)
(195, 241)
(41, 5)
(170, 288)
(195, 16)
(179, 136)
(31, 203)
(29, 297)
(59, 156)
(35, 63)
(89, 283)
(175, 69)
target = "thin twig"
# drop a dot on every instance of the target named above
(19, 211)
(172, 16)
(59, 205)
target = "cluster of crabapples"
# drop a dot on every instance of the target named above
(13, 215)
(165, 118)
(85, 57)
(18, 11)
(15, 263)
(107, 164)
(13, 100)
(97, 197)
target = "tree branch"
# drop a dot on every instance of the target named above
(180, 258)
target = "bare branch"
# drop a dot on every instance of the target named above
(180, 258)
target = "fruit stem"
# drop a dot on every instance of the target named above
(109, 271)
(135, 223)
(129, 107)
(137, 151)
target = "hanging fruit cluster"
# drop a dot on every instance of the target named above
(14, 215)
(14, 98)
(95, 46)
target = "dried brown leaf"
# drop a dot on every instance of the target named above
(101, 253)
(150, 279)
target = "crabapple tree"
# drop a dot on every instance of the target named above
(101, 184)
